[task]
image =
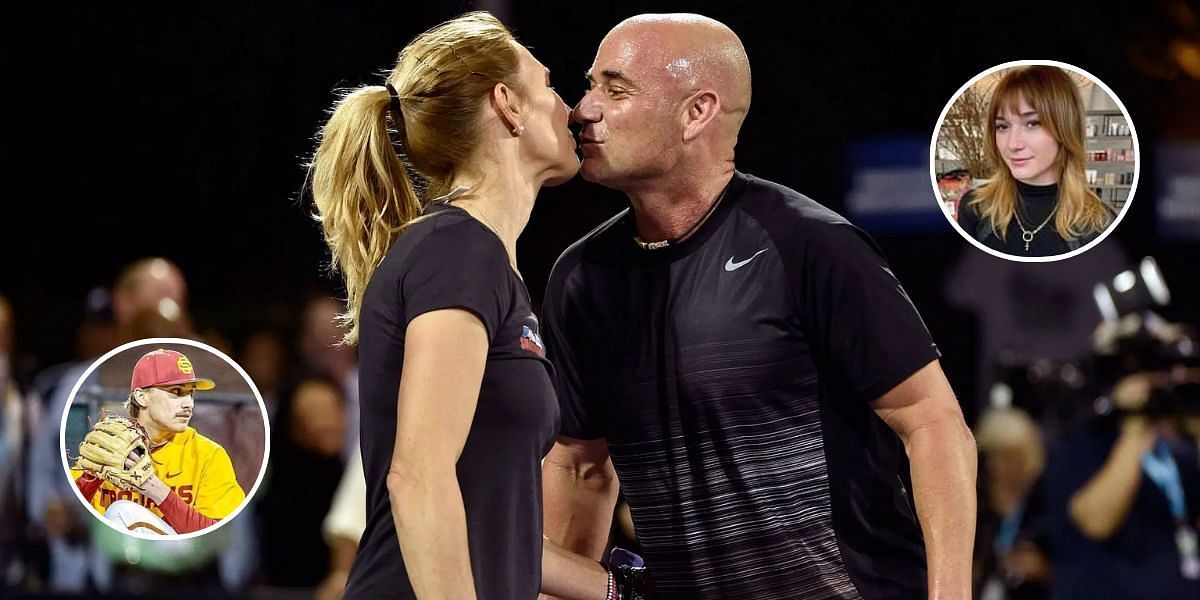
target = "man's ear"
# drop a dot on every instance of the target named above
(139, 397)
(505, 103)
(699, 113)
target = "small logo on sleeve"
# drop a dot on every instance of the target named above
(531, 341)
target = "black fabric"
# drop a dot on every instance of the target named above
(1036, 203)
(449, 260)
(297, 493)
(1140, 560)
(731, 376)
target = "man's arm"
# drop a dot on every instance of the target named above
(579, 490)
(923, 411)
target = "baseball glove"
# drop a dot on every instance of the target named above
(105, 448)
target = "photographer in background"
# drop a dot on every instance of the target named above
(1124, 490)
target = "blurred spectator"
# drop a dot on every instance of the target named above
(153, 323)
(262, 357)
(98, 332)
(306, 466)
(96, 335)
(149, 296)
(7, 335)
(150, 283)
(1010, 558)
(12, 417)
(1123, 492)
(217, 340)
(12, 439)
(322, 352)
(343, 528)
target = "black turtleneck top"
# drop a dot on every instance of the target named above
(1033, 207)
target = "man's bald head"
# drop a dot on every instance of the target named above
(149, 284)
(667, 96)
(693, 52)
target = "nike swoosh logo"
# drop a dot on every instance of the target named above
(174, 475)
(733, 266)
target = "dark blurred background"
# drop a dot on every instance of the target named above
(180, 130)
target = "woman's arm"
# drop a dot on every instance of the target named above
(570, 576)
(444, 355)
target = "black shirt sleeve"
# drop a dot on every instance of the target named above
(577, 414)
(863, 327)
(461, 265)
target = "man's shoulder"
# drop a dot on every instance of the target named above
(796, 222)
(782, 206)
(199, 444)
(602, 239)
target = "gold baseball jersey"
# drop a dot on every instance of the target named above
(196, 468)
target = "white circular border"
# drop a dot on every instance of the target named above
(1137, 162)
(262, 407)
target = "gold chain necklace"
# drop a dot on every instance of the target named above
(664, 243)
(1026, 235)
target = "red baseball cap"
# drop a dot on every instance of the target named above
(162, 368)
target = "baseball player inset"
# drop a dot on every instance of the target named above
(152, 472)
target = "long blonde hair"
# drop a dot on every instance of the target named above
(1055, 97)
(360, 180)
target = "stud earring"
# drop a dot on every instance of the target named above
(518, 130)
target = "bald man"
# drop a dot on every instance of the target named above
(149, 285)
(745, 357)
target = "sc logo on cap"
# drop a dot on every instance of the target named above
(185, 365)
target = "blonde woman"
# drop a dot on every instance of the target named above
(457, 404)
(1037, 202)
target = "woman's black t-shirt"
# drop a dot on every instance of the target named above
(1035, 206)
(450, 260)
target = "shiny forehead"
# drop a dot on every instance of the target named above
(684, 50)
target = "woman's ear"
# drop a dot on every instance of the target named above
(504, 101)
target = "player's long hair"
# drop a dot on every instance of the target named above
(365, 182)
(1055, 97)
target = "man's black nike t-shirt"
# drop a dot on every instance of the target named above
(450, 260)
(731, 376)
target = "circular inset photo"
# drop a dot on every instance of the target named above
(165, 438)
(1034, 160)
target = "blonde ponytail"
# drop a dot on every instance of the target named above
(363, 194)
(362, 189)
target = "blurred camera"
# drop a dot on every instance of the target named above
(1134, 339)
(1130, 339)
(1174, 399)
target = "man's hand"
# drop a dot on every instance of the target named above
(154, 488)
